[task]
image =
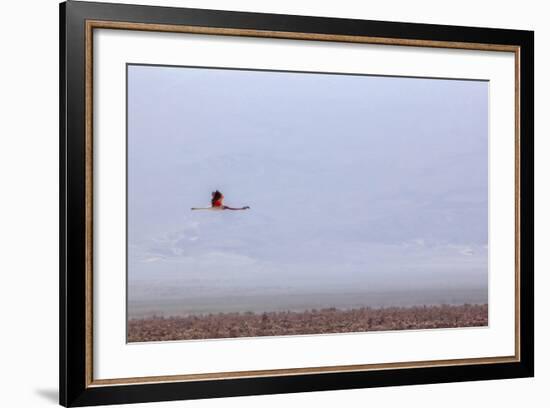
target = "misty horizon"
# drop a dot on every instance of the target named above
(357, 185)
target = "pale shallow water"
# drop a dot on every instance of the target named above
(168, 302)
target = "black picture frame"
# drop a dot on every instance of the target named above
(75, 387)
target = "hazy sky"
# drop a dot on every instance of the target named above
(353, 181)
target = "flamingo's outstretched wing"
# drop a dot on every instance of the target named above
(225, 207)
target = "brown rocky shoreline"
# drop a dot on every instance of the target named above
(331, 320)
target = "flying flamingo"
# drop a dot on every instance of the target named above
(217, 204)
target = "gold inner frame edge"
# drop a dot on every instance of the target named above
(92, 24)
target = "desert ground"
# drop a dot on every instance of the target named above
(314, 321)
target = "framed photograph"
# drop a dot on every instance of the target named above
(256, 203)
